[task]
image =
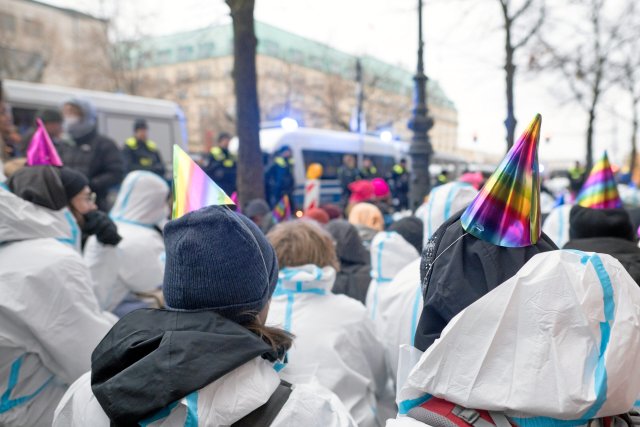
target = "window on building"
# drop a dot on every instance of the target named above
(270, 47)
(207, 49)
(330, 161)
(203, 110)
(33, 28)
(182, 75)
(296, 55)
(163, 56)
(204, 72)
(185, 53)
(182, 95)
(204, 90)
(7, 23)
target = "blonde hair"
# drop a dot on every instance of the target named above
(368, 215)
(303, 242)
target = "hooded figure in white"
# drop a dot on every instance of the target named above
(556, 225)
(558, 340)
(444, 201)
(50, 321)
(335, 340)
(137, 263)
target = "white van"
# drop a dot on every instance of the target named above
(327, 147)
(116, 112)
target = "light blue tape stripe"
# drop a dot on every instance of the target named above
(288, 312)
(600, 381)
(452, 192)
(546, 422)
(4, 186)
(406, 405)
(380, 278)
(6, 403)
(431, 199)
(127, 195)
(192, 410)
(73, 240)
(415, 314)
(130, 221)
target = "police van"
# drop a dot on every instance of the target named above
(328, 147)
(116, 112)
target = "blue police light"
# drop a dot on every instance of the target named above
(289, 124)
(386, 136)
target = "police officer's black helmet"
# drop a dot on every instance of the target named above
(140, 124)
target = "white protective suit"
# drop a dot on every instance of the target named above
(335, 341)
(630, 195)
(221, 403)
(444, 201)
(390, 253)
(136, 264)
(556, 225)
(50, 321)
(558, 340)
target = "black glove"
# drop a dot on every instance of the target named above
(100, 224)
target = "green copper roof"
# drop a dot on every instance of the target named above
(217, 41)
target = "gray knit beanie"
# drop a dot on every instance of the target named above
(218, 260)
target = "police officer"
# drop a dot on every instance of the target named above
(399, 183)
(279, 178)
(347, 173)
(222, 164)
(576, 177)
(368, 171)
(141, 153)
(443, 177)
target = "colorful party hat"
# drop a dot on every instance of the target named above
(282, 211)
(506, 212)
(41, 150)
(600, 191)
(192, 187)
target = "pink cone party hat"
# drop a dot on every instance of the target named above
(41, 150)
(600, 190)
(192, 187)
(506, 211)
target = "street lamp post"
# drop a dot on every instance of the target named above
(420, 123)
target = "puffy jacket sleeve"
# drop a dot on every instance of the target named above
(111, 168)
(68, 323)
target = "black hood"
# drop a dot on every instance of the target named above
(585, 223)
(624, 250)
(40, 185)
(349, 248)
(457, 269)
(152, 358)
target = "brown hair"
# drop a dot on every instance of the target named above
(279, 339)
(303, 242)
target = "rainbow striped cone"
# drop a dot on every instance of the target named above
(600, 191)
(192, 187)
(282, 211)
(506, 211)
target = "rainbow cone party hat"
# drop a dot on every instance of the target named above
(506, 211)
(192, 188)
(41, 150)
(600, 191)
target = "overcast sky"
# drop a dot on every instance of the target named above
(464, 53)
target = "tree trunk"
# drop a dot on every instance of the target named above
(250, 172)
(510, 69)
(634, 133)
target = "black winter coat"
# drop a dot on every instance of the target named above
(99, 159)
(457, 269)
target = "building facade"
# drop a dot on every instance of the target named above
(297, 77)
(48, 44)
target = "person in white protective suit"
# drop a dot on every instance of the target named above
(137, 263)
(208, 359)
(335, 339)
(555, 345)
(391, 252)
(556, 225)
(444, 201)
(50, 321)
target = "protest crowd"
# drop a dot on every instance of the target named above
(498, 302)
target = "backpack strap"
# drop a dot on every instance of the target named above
(471, 416)
(265, 414)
